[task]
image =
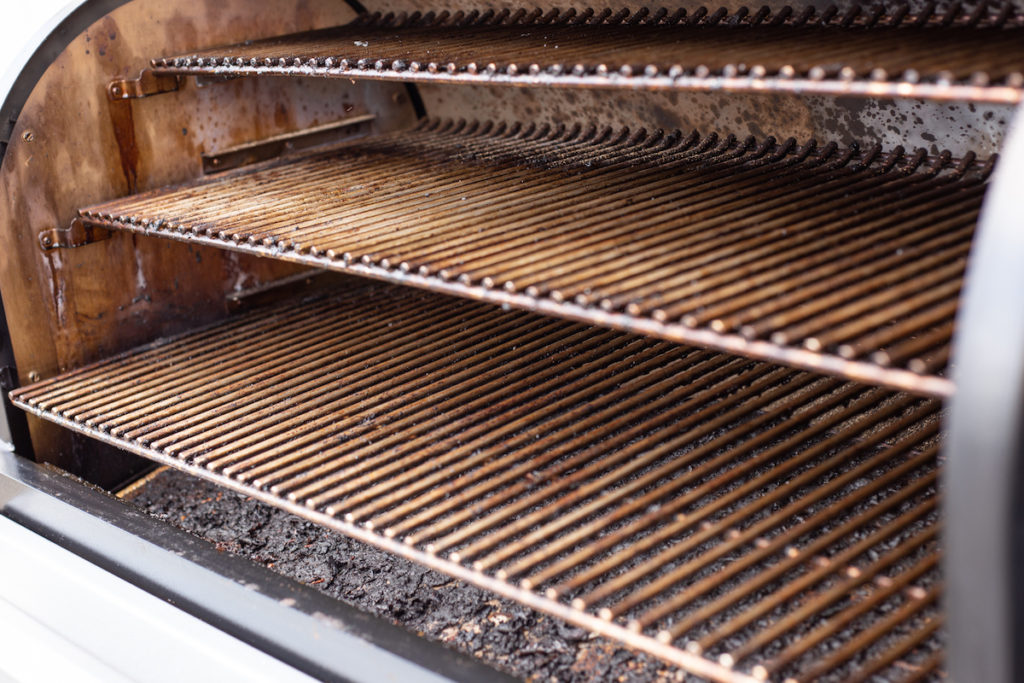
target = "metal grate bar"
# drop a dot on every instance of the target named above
(738, 519)
(842, 261)
(941, 54)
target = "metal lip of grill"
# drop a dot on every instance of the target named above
(738, 519)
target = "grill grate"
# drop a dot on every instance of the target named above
(950, 54)
(847, 262)
(735, 518)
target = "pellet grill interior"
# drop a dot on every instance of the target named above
(639, 317)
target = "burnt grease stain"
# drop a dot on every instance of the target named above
(124, 131)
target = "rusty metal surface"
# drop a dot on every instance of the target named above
(960, 127)
(66, 307)
(844, 261)
(953, 54)
(146, 84)
(75, 235)
(279, 145)
(738, 519)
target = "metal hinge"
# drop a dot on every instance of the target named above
(148, 83)
(77, 234)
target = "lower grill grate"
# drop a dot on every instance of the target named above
(841, 261)
(735, 518)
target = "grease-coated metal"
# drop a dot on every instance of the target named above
(953, 54)
(735, 518)
(843, 261)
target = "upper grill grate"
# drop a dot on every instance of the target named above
(963, 54)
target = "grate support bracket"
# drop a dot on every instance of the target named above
(78, 234)
(148, 83)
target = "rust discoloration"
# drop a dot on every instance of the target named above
(847, 261)
(128, 150)
(958, 127)
(69, 307)
(946, 55)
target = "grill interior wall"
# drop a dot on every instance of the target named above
(67, 307)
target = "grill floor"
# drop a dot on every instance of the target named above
(841, 261)
(505, 634)
(733, 518)
(949, 54)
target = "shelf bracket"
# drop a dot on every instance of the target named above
(279, 145)
(148, 83)
(78, 234)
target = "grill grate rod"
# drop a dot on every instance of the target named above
(721, 526)
(842, 261)
(737, 519)
(943, 54)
